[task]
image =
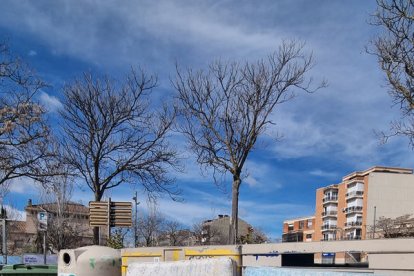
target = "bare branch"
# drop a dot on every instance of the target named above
(225, 109)
(112, 136)
(24, 134)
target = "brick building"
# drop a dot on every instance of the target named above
(299, 229)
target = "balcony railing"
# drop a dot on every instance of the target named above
(353, 209)
(353, 224)
(329, 213)
(354, 194)
(330, 198)
(328, 227)
(352, 238)
(328, 239)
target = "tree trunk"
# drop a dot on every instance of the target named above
(96, 230)
(233, 231)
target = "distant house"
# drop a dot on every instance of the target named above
(216, 232)
(23, 236)
(299, 229)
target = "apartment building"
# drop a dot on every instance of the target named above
(347, 211)
(299, 229)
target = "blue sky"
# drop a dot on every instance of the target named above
(326, 135)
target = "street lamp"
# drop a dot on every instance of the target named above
(3, 220)
(135, 198)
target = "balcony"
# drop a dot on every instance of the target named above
(293, 237)
(352, 238)
(329, 213)
(354, 194)
(353, 209)
(329, 239)
(330, 199)
(353, 224)
(355, 181)
(327, 227)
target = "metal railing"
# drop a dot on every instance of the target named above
(330, 198)
(329, 213)
(328, 227)
(354, 194)
(353, 209)
(353, 223)
(352, 238)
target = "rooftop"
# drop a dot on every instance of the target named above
(377, 169)
(298, 219)
(72, 207)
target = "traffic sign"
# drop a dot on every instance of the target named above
(102, 213)
(42, 218)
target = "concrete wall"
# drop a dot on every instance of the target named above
(391, 194)
(370, 246)
(386, 256)
(204, 267)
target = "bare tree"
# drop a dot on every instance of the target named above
(204, 234)
(394, 49)
(150, 226)
(227, 108)
(66, 227)
(117, 238)
(402, 226)
(174, 232)
(253, 236)
(24, 134)
(13, 229)
(113, 137)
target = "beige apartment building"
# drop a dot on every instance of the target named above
(347, 210)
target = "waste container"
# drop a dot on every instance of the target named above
(90, 261)
(33, 270)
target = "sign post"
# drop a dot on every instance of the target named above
(42, 218)
(4, 242)
(110, 213)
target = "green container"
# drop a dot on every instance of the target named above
(33, 270)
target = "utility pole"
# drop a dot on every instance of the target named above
(135, 198)
(375, 218)
(3, 217)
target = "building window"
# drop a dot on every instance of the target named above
(309, 223)
(290, 227)
(301, 224)
(308, 236)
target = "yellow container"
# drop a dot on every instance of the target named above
(149, 254)
(168, 254)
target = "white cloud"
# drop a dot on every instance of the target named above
(260, 176)
(322, 173)
(23, 185)
(133, 28)
(251, 181)
(51, 103)
(32, 53)
(15, 214)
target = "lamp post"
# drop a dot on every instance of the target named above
(135, 198)
(375, 218)
(3, 217)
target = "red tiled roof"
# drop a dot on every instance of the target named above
(72, 207)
